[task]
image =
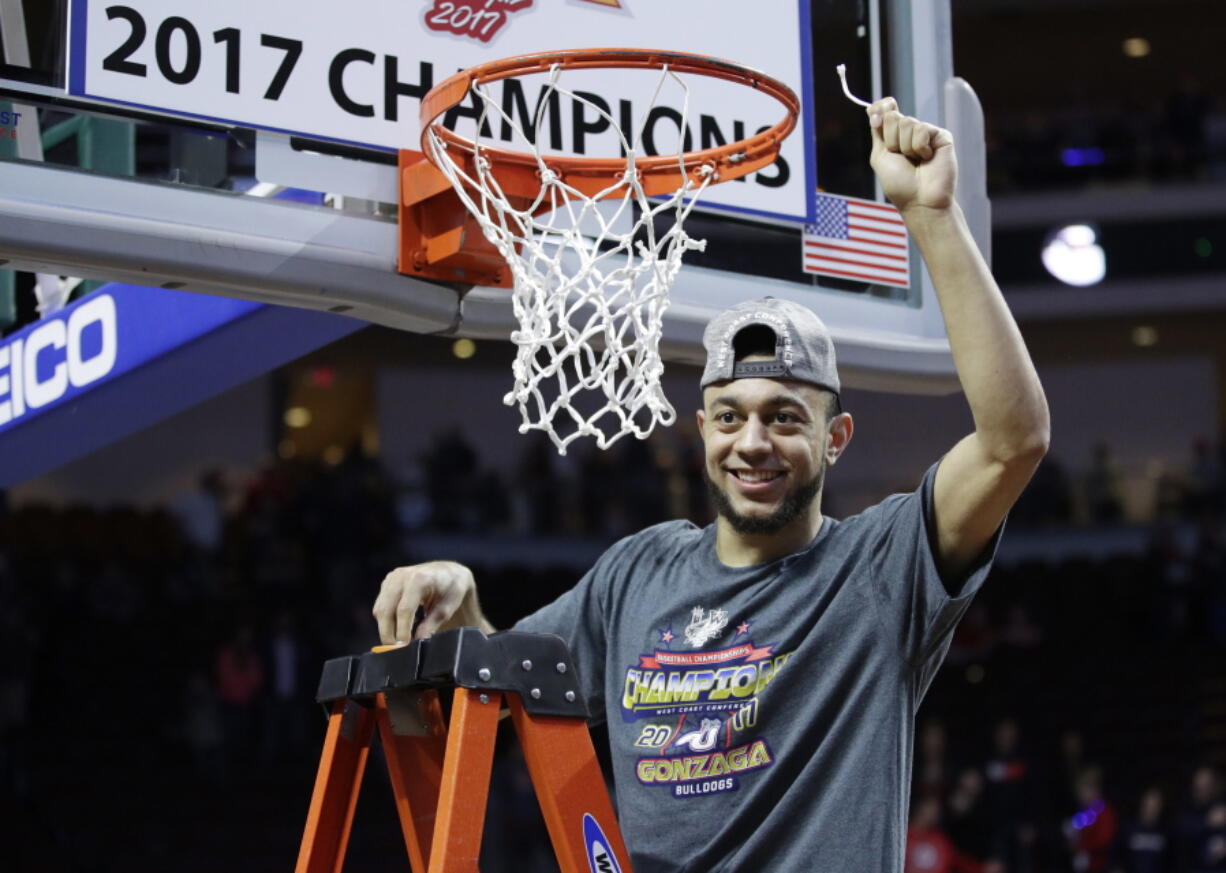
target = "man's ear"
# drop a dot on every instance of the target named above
(701, 417)
(839, 432)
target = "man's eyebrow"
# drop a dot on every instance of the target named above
(778, 400)
(787, 400)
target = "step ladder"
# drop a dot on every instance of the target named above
(440, 772)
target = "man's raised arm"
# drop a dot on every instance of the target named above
(981, 477)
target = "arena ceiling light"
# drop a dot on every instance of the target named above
(1072, 255)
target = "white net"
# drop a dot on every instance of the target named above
(588, 294)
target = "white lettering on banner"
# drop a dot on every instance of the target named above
(11, 382)
(100, 311)
(48, 335)
(21, 387)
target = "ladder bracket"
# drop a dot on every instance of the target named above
(536, 667)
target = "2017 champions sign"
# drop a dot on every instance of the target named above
(297, 66)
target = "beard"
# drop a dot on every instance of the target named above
(796, 504)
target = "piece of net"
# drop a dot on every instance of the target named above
(589, 299)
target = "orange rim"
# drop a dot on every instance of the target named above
(729, 161)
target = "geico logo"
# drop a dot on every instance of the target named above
(24, 385)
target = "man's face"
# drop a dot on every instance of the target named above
(766, 446)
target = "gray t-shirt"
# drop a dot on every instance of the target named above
(761, 718)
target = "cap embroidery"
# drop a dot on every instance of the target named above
(775, 322)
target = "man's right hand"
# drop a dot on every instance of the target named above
(444, 590)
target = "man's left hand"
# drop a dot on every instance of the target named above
(914, 161)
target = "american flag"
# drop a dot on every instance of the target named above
(857, 239)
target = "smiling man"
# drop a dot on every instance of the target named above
(760, 676)
(771, 424)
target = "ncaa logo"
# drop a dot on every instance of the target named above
(599, 855)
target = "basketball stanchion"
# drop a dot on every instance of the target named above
(440, 771)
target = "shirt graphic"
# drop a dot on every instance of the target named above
(697, 706)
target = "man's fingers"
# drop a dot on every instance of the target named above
(903, 134)
(882, 106)
(876, 118)
(439, 612)
(432, 621)
(439, 588)
(907, 127)
(922, 136)
(406, 613)
(385, 608)
(889, 130)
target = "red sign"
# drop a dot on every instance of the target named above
(475, 19)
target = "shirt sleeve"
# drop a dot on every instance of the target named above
(917, 602)
(578, 617)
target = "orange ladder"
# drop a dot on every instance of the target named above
(440, 773)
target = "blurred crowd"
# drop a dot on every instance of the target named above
(1091, 141)
(1181, 490)
(157, 668)
(588, 493)
(1011, 809)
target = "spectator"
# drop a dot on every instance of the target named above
(201, 513)
(1093, 828)
(1194, 828)
(202, 727)
(598, 473)
(1102, 487)
(1020, 631)
(289, 669)
(1145, 844)
(1071, 761)
(240, 678)
(929, 850)
(1213, 852)
(537, 480)
(1174, 571)
(1170, 494)
(1203, 481)
(1011, 794)
(1215, 139)
(1048, 498)
(932, 775)
(974, 639)
(967, 822)
(1186, 111)
(644, 485)
(451, 465)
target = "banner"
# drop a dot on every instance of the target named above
(356, 73)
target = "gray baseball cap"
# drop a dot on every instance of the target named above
(803, 348)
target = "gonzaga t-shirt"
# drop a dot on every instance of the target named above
(761, 718)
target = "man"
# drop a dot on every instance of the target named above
(760, 677)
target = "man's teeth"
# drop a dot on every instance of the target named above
(756, 475)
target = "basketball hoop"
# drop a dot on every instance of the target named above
(589, 299)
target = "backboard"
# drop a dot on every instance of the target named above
(294, 93)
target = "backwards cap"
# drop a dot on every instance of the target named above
(803, 348)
